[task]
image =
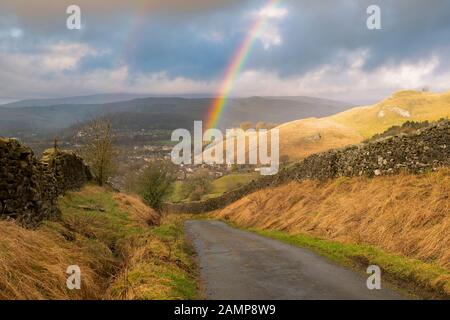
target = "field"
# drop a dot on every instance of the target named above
(219, 186)
(229, 182)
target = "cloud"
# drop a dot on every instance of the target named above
(50, 73)
(12, 33)
(213, 36)
(270, 37)
(64, 56)
(273, 12)
(348, 81)
(57, 57)
(270, 34)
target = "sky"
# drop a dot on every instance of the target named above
(183, 47)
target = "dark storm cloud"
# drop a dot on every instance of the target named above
(47, 9)
(316, 31)
(313, 32)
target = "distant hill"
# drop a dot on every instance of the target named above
(4, 101)
(301, 138)
(91, 99)
(162, 113)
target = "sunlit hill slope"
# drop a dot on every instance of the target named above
(301, 138)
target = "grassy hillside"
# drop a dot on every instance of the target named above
(404, 216)
(401, 107)
(114, 239)
(301, 138)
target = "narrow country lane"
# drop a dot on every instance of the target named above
(235, 264)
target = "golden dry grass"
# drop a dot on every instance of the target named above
(137, 210)
(33, 263)
(407, 215)
(395, 110)
(160, 267)
(301, 138)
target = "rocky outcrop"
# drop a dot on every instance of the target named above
(29, 188)
(426, 150)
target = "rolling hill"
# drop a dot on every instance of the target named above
(91, 99)
(301, 138)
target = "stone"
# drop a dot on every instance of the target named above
(29, 189)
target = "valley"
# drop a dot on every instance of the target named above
(328, 224)
(178, 153)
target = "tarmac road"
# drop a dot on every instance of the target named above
(238, 265)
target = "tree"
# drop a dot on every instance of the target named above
(246, 125)
(197, 185)
(270, 126)
(156, 182)
(98, 150)
(265, 125)
(261, 125)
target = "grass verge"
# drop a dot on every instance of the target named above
(162, 266)
(111, 237)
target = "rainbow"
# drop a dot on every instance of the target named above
(233, 70)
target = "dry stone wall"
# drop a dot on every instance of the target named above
(69, 169)
(426, 150)
(29, 188)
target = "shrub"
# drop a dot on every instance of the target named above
(156, 183)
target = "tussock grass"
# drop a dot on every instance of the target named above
(161, 268)
(102, 241)
(405, 216)
(33, 264)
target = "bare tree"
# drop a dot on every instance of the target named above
(99, 151)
